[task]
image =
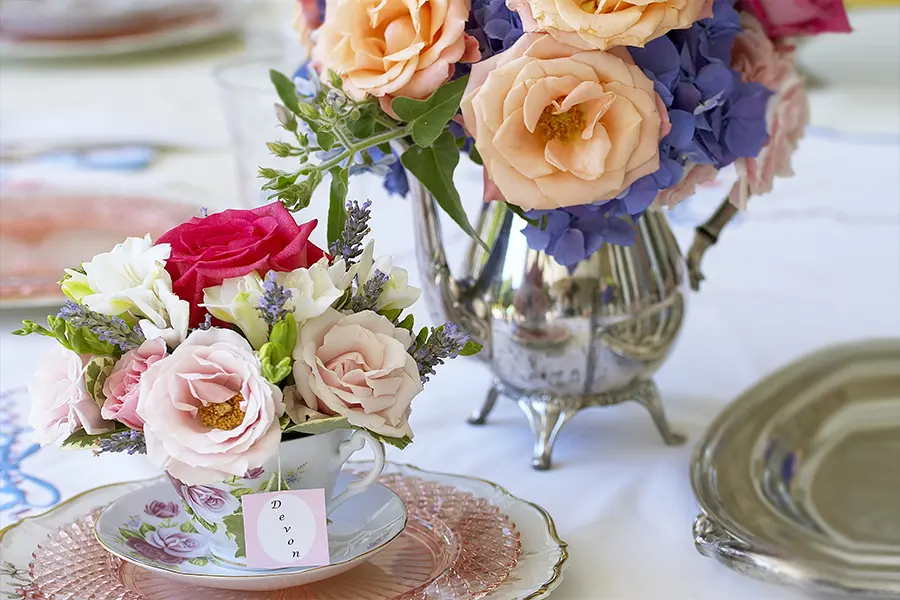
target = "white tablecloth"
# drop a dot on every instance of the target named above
(817, 262)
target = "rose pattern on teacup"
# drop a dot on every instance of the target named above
(164, 536)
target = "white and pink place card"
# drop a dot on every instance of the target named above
(286, 529)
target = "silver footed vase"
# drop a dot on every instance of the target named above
(559, 341)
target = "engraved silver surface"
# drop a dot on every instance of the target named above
(799, 478)
(559, 341)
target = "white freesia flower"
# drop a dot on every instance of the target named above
(312, 292)
(397, 293)
(315, 289)
(178, 311)
(129, 278)
(236, 302)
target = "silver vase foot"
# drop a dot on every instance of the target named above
(547, 414)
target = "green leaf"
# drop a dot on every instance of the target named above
(206, 524)
(237, 493)
(234, 529)
(400, 443)
(325, 139)
(82, 439)
(475, 156)
(130, 533)
(337, 212)
(29, 327)
(96, 373)
(434, 168)
(517, 210)
(145, 527)
(471, 348)
(408, 323)
(199, 561)
(421, 337)
(317, 426)
(392, 315)
(429, 117)
(188, 527)
(286, 89)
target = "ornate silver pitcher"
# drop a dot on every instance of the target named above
(559, 342)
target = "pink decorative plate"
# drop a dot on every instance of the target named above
(455, 546)
(43, 232)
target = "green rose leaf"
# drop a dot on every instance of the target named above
(206, 524)
(95, 375)
(199, 561)
(470, 349)
(434, 168)
(286, 89)
(238, 492)
(81, 439)
(317, 426)
(428, 118)
(234, 529)
(400, 443)
(188, 527)
(130, 533)
(517, 210)
(337, 213)
(146, 527)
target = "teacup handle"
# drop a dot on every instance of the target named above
(355, 442)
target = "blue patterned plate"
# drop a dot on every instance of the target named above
(148, 528)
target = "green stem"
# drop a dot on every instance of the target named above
(365, 144)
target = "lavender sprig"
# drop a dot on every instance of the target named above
(112, 330)
(273, 301)
(367, 294)
(356, 228)
(131, 441)
(445, 342)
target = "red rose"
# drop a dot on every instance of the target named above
(788, 18)
(232, 243)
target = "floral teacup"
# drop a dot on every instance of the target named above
(306, 463)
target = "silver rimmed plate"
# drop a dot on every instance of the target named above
(799, 478)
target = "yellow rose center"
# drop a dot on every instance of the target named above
(561, 126)
(224, 415)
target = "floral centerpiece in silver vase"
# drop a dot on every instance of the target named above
(587, 118)
(241, 358)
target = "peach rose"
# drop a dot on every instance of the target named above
(602, 24)
(208, 412)
(60, 404)
(557, 126)
(357, 366)
(759, 60)
(387, 48)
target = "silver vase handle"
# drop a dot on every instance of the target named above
(706, 235)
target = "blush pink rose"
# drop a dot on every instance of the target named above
(121, 387)
(60, 403)
(357, 366)
(557, 126)
(307, 18)
(388, 48)
(208, 412)
(694, 175)
(601, 25)
(759, 60)
(787, 18)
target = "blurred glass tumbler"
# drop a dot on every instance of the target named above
(249, 97)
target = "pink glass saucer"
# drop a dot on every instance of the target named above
(456, 546)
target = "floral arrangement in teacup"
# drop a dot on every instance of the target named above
(229, 336)
(583, 114)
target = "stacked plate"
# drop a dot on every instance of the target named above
(67, 28)
(417, 535)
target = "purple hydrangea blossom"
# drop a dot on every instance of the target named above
(495, 26)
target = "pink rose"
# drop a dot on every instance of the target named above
(121, 387)
(307, 18)
(784, 18)
(60, 404)
(694, 175)
(208, 412)
(162, 510)
(758, 60)
(388, 48)
(357, 366)
(602, 25)
(557, 126)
